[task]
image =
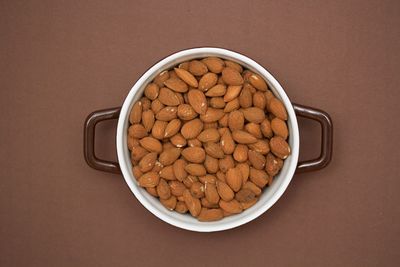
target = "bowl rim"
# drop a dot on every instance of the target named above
(177, 58)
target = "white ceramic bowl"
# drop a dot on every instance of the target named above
(270, 194)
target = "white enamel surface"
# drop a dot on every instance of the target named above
(270, 194)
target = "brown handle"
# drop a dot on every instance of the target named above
(88, 140)
(326, 141)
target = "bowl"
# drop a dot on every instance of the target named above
(270, 194)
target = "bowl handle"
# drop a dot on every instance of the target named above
(326, 138)
(88, 140)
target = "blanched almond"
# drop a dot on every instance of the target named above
(187, 77)
(207, 81)
(149, 179)
(176, 84)
(198, 101)
(234, 179)
(192, 129)
(194, 154)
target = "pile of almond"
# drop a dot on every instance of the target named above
(207, 137)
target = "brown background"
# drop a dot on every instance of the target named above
(60, 61)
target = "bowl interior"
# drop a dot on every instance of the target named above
(270, 194)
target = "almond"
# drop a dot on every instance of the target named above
(195, 169)
(152, 191)
(168, 156)
(245, 195)
(209, 135)
(260, 146)
(259, 100)
(151, 144)
(217, 90)
(234, 65)
(227, 143)
(249, 185)
(232, 206)
(132, 142)
(243, 137)
(146, 104)
(279, 147)
(147, 162)
(186, 112)
(178, 140)
(167, 114)
(223, 122)
(168, 97)
(231, 76)
(236, 120)
(279, 128)
(161, 78)
(179, 169)
(137, 131)
(217, 102)
(194, 154)
(232, 105)
(221, 176)
(266, 129)
(232, 92)
(245, 97)
(148, 119)
(192, 128)
(244, 169)
(224, 191)
(254, 129)
(167, 145)
(256, 159)
(212, 115)
(172, 128)
(156, 106)
(194, 143)
(181, 207)
(214, 150)
(197, 190)
(138, 152)
(184, 66)
(205, 203)
(158, 130)
(259, 177)
(254, 114)
(198, 101)
(189, 180)
(241, 153)
(211, 164)
(197, 68)
(193, 204)
(167, 172)
(169, 203)
(137, 172)
(151, 91)
(211, 193)
(277, 108)
(272, 165)
(157, 167)
(163, 189)
(208, 179)
(214, 64)
(258, 82)
(177, 188)
(210, 125)
(136, 113)
(248, 204)
(176, 85)
(226, 163)
(149, 179)
(207, 81)
(208, 215)
(234, 179)
(187, 77)
(268, 96)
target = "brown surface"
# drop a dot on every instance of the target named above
(61, 61)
